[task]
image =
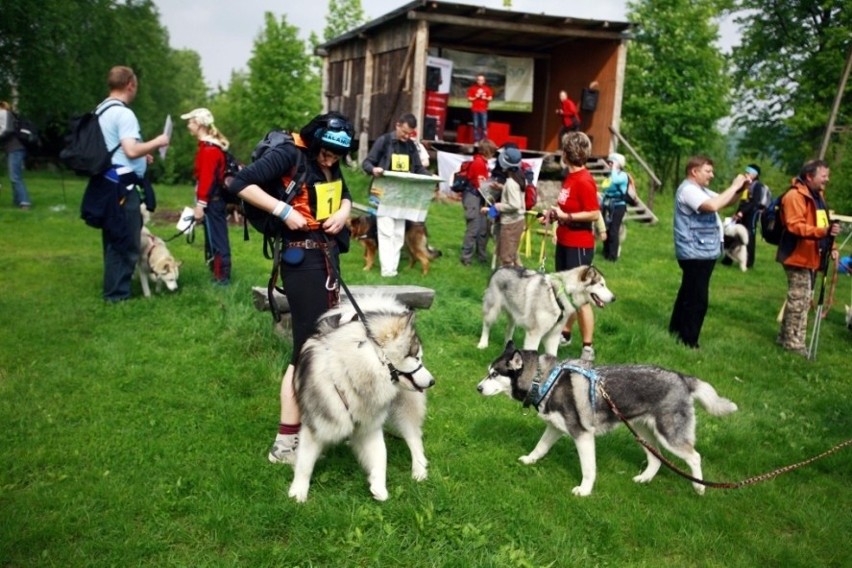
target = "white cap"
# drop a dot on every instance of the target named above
(200, 115)
(617, 159)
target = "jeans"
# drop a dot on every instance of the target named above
(120, 257)
(20, 197)
(217, 248)
(480, 126)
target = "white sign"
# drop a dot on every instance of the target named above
(402, 195)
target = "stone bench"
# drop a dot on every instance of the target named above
(415, 297)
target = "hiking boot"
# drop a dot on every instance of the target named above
(284, 450)
(587, 354)
(565, 339)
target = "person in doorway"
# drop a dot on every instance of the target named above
(570, 115)
(395, 152)
(480, 94)
(210, 203)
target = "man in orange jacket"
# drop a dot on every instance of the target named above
(807, 241)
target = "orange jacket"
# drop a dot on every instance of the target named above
(799, 214)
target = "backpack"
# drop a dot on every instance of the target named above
(85, 150)
(461, 181)
(270, 226)
(630, 196)
(27, 133)
(771, 226)
(530, 190)
(232, 168)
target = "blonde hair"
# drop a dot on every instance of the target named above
(487, 148)
(212, 134)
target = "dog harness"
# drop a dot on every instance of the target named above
(539, 391)
(557, 288)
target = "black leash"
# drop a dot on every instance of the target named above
(714, 484)
(190, 232)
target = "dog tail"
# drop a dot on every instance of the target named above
(707, 396)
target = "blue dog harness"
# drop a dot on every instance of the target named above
(539, 391)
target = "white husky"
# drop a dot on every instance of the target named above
(349, 382)
(540, 303)
(156, 263)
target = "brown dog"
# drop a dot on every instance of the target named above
(363, 230)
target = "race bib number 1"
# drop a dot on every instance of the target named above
(328, 198)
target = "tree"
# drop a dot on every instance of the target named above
(676, 89)
(788, 66)
(343, 16)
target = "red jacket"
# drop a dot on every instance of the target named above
(801, 220)
(209, 171)
(478, 167)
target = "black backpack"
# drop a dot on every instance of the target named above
(85, 150)
(265, 223)
(771, 225)
(461, 181)
(232, 168)
(27, 133)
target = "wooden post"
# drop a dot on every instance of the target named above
(836, 107)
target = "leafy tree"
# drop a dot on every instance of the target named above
(282, 87)
(343, 16)
(676, 89)
(788, 67)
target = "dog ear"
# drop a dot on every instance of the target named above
(510, 346)
(516, 362)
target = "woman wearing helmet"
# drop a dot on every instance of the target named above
(314, 223)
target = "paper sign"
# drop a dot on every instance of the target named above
(167, 130)
(402, 195)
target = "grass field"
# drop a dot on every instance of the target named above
(136, 434)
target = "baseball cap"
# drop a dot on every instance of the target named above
(200, 115)
(617, 159)
(337, 141)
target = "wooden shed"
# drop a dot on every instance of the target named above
(398, 63)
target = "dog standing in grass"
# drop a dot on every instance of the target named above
(156, 264)
(363, 230)
(657, 402)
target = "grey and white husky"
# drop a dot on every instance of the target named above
(540, 303)
(656, 401)
(349, 383)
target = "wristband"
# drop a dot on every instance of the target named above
(282, 210)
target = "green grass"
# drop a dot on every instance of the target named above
(136, 434)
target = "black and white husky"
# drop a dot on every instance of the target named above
(540, 303)
(656, 401)
(736, 243)
(349, 383)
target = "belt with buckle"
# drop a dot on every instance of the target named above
(311, 244)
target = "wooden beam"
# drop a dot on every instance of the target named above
(841, 88)
(515, 27)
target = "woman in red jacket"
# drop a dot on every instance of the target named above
(210, 205)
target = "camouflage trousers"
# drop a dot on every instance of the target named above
(794, 324)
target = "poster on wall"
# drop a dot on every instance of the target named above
(511, 79)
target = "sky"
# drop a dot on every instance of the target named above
(223, 32)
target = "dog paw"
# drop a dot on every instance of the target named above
(528, 459)
(300, 494)
(419, 473)
(698, 488)
(379, 493)
(642, 478)
(581, 491)
(482, 345)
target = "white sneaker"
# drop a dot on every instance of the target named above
(565, 339)
(284, 450)
(587, 354)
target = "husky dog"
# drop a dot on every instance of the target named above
(736, 241)
(363, 229)
(349, 382)
(656, 401)
(540, 303)
(156, 263)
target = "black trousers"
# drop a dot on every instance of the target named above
(690, 306)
